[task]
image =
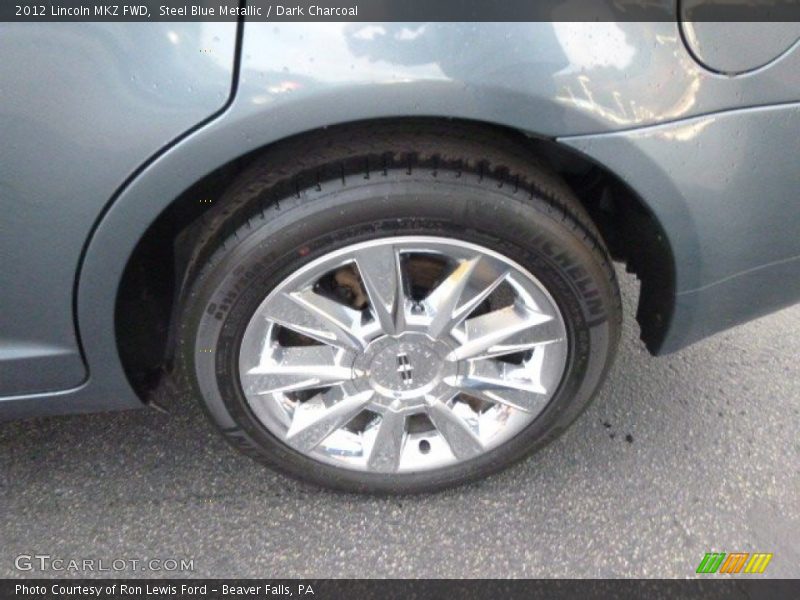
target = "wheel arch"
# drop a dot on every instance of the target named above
(132, 273)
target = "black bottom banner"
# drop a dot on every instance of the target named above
(347, 589)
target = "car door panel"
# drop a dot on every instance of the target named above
(83, 106)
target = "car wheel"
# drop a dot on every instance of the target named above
(397, 308)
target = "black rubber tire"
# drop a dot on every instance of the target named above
(319, 193)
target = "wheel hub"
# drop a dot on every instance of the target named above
(405, 367)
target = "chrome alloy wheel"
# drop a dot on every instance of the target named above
(403, 354)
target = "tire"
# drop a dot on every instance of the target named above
(314, 196)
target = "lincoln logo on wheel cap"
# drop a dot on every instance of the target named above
(405, 369)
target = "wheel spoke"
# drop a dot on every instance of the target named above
(518, 386)
(382, 278)
(486, 332)
(315, 419)
(463, 442)
(388, 446)
(461, 292)
(319, 318)
(494, 374)
(523, 394)
(297, 368)
(547, 332)
(519, 399)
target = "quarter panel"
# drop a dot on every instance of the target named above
(548, 78)
(725, 189)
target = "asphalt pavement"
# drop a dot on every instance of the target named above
(678, 456)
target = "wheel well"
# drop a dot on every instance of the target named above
(155, 273)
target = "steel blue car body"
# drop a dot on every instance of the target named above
(106, 126)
